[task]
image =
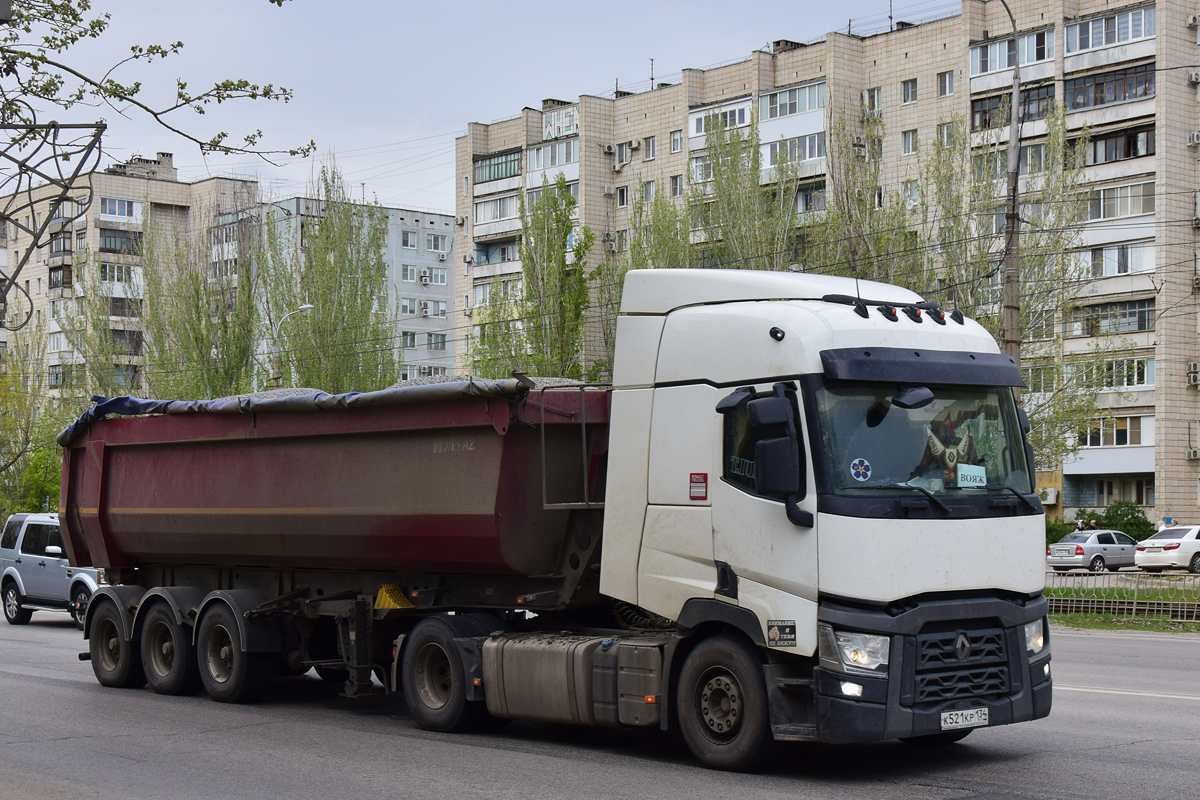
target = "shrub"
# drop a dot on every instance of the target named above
(1128, 518)
(1056, 530)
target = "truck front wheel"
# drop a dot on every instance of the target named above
(722, 705)
(434, 678)
(116, 662)
(229, 673)
(167, 653)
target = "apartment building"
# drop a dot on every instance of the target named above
(419, 253)
(1125, 70)
(102, 225)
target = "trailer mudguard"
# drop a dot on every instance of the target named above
(184, 602)
(127, 599)
(255, 635)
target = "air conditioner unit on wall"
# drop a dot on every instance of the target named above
(1193, 366)
(1049, 495)
(617, 167)
(1194, 77)
(1193, 455)
(1193, 20)
(424, 280)
(460, 220)
(609, 190)
(441, 256)
(635, 144)
(1193, 138)
(609, 149)
(1193, 379)
(468, 258)
(424, 308)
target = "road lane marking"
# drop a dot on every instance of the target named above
(1130, 692)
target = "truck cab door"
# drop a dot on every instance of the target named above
(768, 543)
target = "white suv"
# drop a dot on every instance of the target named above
(35, 574)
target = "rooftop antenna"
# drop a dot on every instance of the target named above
(891, 27)
(652, 73)
(616, 87)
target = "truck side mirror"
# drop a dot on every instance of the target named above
(777, 461)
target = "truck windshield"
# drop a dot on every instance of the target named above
(965, 440)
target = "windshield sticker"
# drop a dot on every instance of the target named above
(860, 468)
(971, 476)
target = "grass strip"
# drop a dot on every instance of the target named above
(1106, 622)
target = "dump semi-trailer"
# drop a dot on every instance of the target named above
(803, 511)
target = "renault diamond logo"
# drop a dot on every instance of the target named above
(962, 647)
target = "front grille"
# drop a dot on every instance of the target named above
(939, 650)
(950, 685)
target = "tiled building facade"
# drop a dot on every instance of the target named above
(1125, 70)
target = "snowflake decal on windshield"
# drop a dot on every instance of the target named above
(860, 468)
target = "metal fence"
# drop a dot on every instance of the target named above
(1125, 594)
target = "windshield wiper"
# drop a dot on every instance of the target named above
(945, 509)
(1020, 496)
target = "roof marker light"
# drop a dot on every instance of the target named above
(889, 312)
(913, 313)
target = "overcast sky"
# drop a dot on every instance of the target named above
(387, 85)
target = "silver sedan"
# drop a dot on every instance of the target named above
(1092, 550)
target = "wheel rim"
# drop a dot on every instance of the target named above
(1097, 564)
(719, 703)
(110, 644)
(218, 654)
(11, 605)
(77, 607)
(434, 676)
(161, 641)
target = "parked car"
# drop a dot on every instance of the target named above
(1093, 550)
(1177, 548)
(35, 574)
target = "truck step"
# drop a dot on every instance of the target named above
(794, 733)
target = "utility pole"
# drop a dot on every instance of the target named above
(1010, 320)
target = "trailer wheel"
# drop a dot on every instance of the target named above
(116, 662)
(722, 705)
(434, 678)
(228, 673)
(167, 653)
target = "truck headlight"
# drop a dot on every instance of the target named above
(1035, 637)
(860, 653)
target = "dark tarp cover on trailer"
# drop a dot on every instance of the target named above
(273, 401)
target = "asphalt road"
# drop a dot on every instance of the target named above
(1125, 725)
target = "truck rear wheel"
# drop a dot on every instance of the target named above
(167, 653)
(116, 662)
(229, 674)
(434, 678)
(722, 705)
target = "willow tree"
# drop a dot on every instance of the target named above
(536, 323)
(201, 319)
(332, 260)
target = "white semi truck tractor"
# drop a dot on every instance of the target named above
(804, 511)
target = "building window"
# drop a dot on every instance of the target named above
(911, 194)
(1112, 432)
(676, 186)
(437, 308)
(408, 339)
(437, 276)
(945, 133)
(623, 153)
(732, 118)
(124, 307)
(408, 273)
(116, 273)
(1126, 27)
(127, 342)
(1109, 318)
(111, 207)
(408, 306)
(80, 241)
(1118, 146)
(60, 277)
(1035, 47)
(908, 91)
(1033, 158)
(492, 168)
(1119, 86)
(622, 240)
(648, 192)
(555, 154)
(622, 196)
(1122, 201)
(676, 141)
(873, 101)
(408, 239)
(945, 83)
(435, 341)
(993, 57)
(801, 148)
(436, 242)
(60, 243)
(1036, 103)
(115, 241)
(1120, 259)
(910, 142)
(701, 169)
(497, 208)
(792, 101)
(648, 148)
(811, 198)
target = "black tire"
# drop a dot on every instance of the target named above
(1194, 565)
(722, 705)
(1113, 569)
(228, 673)
(13, 610)
(116, 662)
(1096, 564)
(939, 739)
(434, 678)
(168, 655)
(1061, 569)
(333, 674)
(79, 600)
(1152, 570)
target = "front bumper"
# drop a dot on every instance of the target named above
(921, 682)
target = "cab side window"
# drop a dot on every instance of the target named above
(9, 540)
(740, 440)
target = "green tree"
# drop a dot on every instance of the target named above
(1127, 517)
(334, 262)
(201, 318)
(536, 324)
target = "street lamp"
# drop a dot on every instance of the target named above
(278, 378)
